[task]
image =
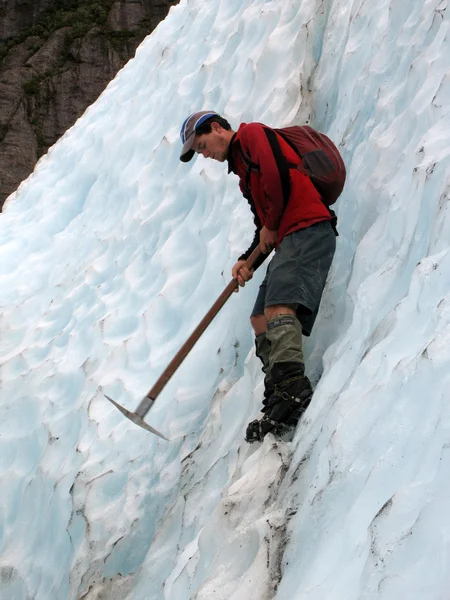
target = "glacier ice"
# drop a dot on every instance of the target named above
(112, 251)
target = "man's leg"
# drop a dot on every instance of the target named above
(294, 284)
(284, 333)
(259, 324)
(262, 346)
(291, 389)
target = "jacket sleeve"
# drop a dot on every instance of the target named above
(255, 143)
(255, 241)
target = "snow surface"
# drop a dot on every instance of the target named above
(112, 252)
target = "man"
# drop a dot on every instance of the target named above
(301, 232)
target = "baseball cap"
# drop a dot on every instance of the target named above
(188, 130)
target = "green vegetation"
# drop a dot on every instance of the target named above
(79, 15)
(32, 87)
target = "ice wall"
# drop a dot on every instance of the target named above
(112, 251)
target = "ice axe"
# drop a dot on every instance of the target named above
(147, 402)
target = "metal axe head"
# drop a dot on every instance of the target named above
(135, 418)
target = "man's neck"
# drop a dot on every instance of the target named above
(230, 134)
(229, 153)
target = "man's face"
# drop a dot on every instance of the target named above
(213, 145)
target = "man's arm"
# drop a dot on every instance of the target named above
(256, 239)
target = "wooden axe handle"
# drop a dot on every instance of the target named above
(176, 361)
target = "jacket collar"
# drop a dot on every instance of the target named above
(233, 149)
(230, 156)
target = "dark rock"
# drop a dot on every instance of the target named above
(126, 16)
(18, 15)
(55, 64)
(50, 54)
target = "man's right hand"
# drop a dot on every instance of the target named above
(241, 273)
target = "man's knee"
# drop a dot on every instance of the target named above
(259, 324)
(270, 312)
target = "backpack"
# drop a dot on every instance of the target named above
(321, 161)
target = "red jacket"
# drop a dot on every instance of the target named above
(264, 190)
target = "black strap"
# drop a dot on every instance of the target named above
(283, 170)
(282, 164)
(249, 167)
(333, 221)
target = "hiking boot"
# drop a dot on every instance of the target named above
(289, 391)
(257, 429)
(286, 405)
(293, 390)
(289, 401)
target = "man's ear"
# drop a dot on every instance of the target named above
(215, 127)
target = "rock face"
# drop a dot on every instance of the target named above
(57, 56)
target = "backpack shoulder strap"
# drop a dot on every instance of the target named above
(288, 141)
(249, 166)
(282, 163)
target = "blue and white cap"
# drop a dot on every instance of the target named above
(188, 130)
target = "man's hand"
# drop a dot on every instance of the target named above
(267, 240)
(241, 273)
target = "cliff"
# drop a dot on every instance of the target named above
(56, 57)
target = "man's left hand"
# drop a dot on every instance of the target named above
(267, 239)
